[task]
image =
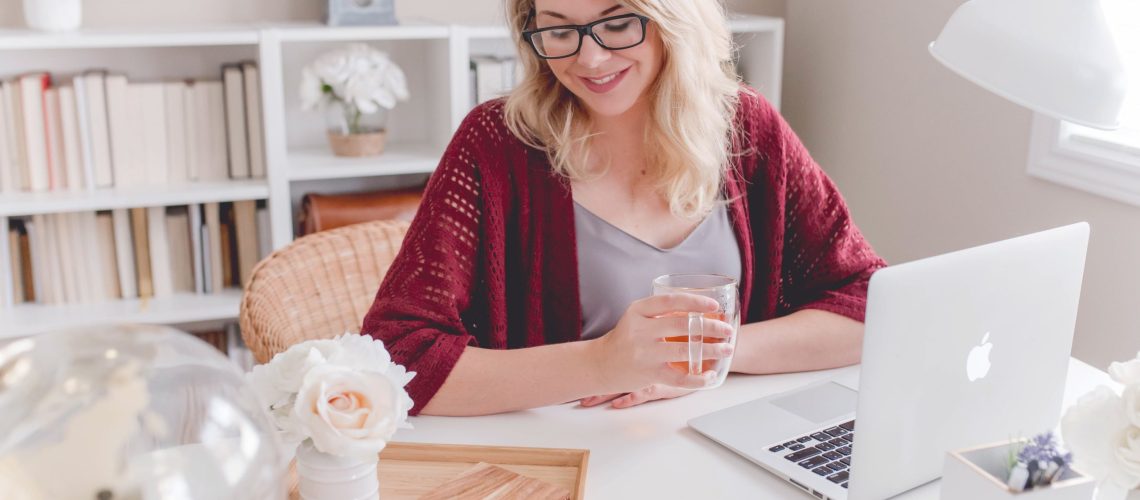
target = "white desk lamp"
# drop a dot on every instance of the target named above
(1056, 57)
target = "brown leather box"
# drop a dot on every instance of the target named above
(327, 211)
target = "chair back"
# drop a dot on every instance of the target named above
(318, 286)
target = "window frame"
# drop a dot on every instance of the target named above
(1089, 165)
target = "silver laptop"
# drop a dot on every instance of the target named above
(961, 349)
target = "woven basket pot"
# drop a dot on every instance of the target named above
(356, 145)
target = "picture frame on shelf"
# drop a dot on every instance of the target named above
(360, 13)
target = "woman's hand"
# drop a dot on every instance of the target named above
(633, 356)
(626, 400)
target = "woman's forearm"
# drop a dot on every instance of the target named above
(487, 381)
(809, 339)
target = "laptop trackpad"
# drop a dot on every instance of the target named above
(819, 403)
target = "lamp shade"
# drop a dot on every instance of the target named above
(1056, 57)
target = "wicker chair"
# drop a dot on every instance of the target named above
(319, 286)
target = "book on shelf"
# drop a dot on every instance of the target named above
(20, 263)
(492, 76)
(14, 125)
(140, 252)
(98, 130)
(31, 116)
(245, 230)
(236, 129)
(152, 162)
(105, 255)
(212, 246)
(8, 181)
(72, 147)
(53, 133)
(228, 244)
(124, 254)
(251, 77)
(160, 268)
(139, 228)
(95, 127)
(181, 249)
(197, 248)
(177, 151)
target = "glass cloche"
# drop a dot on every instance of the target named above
(131, 413)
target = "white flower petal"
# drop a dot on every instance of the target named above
(1094, 430)
(1131, 397)
(356, 73)
(1126, 373)
(358, 431)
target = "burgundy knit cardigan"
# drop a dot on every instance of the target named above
(490, 259)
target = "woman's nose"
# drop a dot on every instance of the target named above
(592, 55)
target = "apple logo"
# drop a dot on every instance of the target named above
(978, 362)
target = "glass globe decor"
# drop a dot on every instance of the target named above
(131, 412)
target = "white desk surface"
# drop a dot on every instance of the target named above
(648, 451)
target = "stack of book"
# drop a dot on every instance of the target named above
(492, 76)
(136, 253)
(99, 130)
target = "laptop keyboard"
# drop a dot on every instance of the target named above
(826, 453)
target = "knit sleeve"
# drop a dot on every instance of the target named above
(827, 264)
(419, 308)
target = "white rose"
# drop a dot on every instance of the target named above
(1096, 430)
(1131, 397)
(1127, 373)
(350, 413)
(1128, 454)
(276, 383)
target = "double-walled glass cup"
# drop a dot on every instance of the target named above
(724, 290)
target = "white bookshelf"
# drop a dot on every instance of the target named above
(32, 319)
(150, 196)
(434, 57)
(315, 163)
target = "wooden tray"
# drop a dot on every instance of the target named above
(408, 470)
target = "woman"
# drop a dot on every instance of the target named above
(629, 127)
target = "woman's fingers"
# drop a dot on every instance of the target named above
(679, 351)
(651, 393)
(661, 305)
(673, 327)
(683, 380)
(597, 400)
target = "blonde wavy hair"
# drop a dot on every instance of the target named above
(694, 98)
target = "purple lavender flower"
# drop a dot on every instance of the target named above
(1045, 461)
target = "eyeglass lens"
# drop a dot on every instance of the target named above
(614, 34)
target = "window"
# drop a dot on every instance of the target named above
(1103, 162)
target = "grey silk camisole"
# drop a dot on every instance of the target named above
(615, 268)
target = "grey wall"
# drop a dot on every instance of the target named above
(931, 163)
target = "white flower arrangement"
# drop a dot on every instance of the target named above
(1103, 428)
(345, 394)
(364, 79)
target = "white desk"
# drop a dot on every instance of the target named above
(649, 452)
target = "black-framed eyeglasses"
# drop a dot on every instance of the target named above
(611, 33)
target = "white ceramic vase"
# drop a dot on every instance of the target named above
(322, 476)
(53, 15)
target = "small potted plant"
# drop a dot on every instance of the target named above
(1034, 469)
(1103, 429)
(356, 86)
